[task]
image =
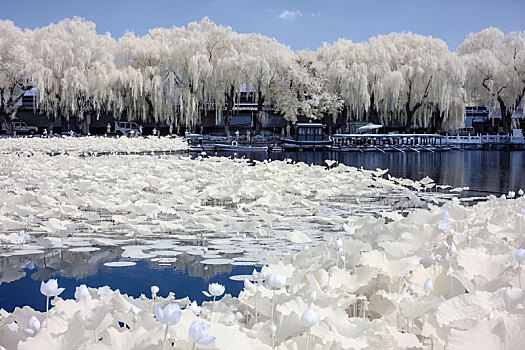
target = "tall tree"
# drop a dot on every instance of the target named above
(262, 60)
(421, 73)
(14, 75)
(140, 90)
(495, 70)
(73, 69)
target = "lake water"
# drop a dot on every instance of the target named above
(185, 281)
(484, 172)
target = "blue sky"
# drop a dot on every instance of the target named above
(302, 24)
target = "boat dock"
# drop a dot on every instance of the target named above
(403, 143)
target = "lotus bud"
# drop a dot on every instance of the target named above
(169, 315)
(427, 287)
(33, 325)
(339, 243)
(520, 255)
(154, 291)
(469, 238)
(276, 281)
(248, 285)
(411, 288)
(452, 251)
(198, 333)
(490, 316)
(238, 316)
(503, 197)
(309, 318)
(365, 305)
(313, 295)
(520, 192)
(194, 308)
(511, 194)
(255, 275)
(273, 329)
(81, 291)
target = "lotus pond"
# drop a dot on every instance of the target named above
(347, 257)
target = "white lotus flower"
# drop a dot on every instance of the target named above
(170, 315)
(194, 308)
(33, 325)
(25, 236)
(511, 194)
(50, 288)
(411, 288)
(81, 291)
(427, 287)
(366, 304)
(214, 290)
(520, 255)
(198, 333)
(276, 281)
(309, 318)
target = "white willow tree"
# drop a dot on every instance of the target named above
(303, 90)
(73, 69)
(14, 75)
(143, 90)
(422, 74)
(228, 74)
(347, 76)
(262, 61)
(189, 75)
(495, 70)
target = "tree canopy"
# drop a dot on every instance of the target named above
(177, 75)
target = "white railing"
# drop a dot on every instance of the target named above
(481, 139)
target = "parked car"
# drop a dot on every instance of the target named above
(127, 128)
(21, 128)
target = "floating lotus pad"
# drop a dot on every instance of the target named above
(84, 249)
(120, 264)
(216, 261)
(167, 253)
(26, 252)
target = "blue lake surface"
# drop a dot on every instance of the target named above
(131, 280)
(485, 172)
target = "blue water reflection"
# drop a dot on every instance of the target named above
(132, 280)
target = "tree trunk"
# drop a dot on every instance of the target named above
(372, 114)
(229, 109)
(410, 118)
(52, 119)
(505, 116)
(258, 122)
(437, 121)
(6, 121)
